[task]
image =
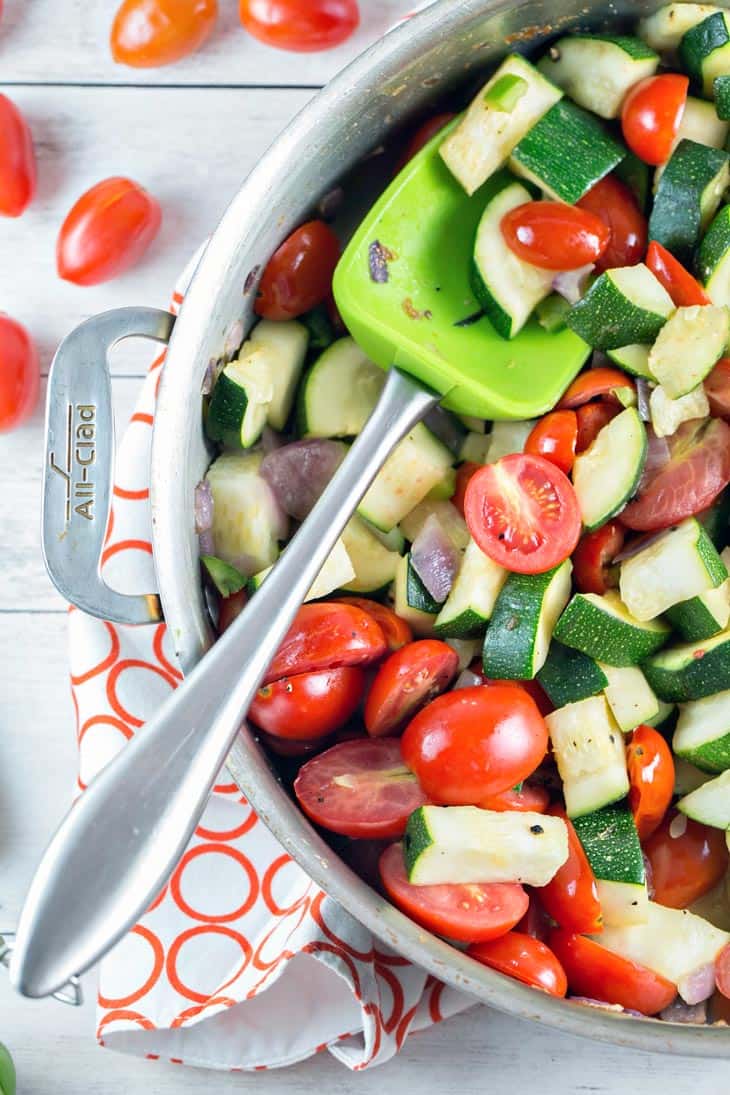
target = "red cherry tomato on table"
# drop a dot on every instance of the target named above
(722, 971)
(591, 419)
(530, 798)
(698, 469)
(613, 202)
(107, 231)
(717, 389)
(526, 959)
(554, 236)
(397, 632)
(406, 681)
(601, 383)
(421, 137)
(148, 33)
(678, 282)
(17, 161)
(651, 774)
(360, 788)
(303, 26)
(326, 636)
(19, 371)
(523, 513)
(651, 115)
(571, 896)
(592, 570)
(298, 276)
(555, 437)
(686, 865)
(595, 972)
(470, 913)
(463, 477)
(308, 705)
(473, 743)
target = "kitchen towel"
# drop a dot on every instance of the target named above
(241, 962)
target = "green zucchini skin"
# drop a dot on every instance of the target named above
(721, 90)
(611, 843)
(569, 675)
(691, 671)
(697, 47)
(685, 195)
(584, 626)
(416, 593)
(513, 636)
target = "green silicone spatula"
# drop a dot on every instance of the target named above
(402, 288)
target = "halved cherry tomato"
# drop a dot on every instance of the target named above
(106, 232)
(595, 972)
(526, 959)
(687, 865)
(360, 789)
(571, 897)
(535, 922)
(678, 282)
(523, 513)
(19, 372)
(302, 26)
(230, 608)
(651, 773)
(406, 681)
(473, 743)
(463, 477)
(471, 913)
(148, 33)
(298, 276)
(651, 115)
(717, 388)
(17, 160)
(530, 797)
(613, 202)
(592, 570)
(554, 436)
(722, 971)
(554, 236)
(326, 636)
(591, 419)
(397, 632)
(698, 469)
(308, 705)
(421, 137)
(601, 383)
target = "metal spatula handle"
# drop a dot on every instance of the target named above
(120, 841)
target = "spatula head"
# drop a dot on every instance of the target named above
(402, 288)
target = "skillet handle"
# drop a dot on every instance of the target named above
(79, 463)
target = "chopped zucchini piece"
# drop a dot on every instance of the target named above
(448, 517)
(339, 392)
(702, 734)
(688, 346)
(710, 803)
(668, 414)
(508, 437)
(373, 565)
(596, 71)
(524, 616)
(699, 123)
(689, 192)
(239, 405)
(475, 448)
(284, 346)
(703, 616)
(602, 627)
(632, 359)
(470, 603)
(721, 91)
(227, 579)
(611, 844)
(713, 259)
(624, 305)
(664, 30)
(690, 671)
(413, 468)
(569, 675)
(629, 696)
(704, 51)
(607, 474)
(247, 521)
(421, 623)
(589, 750)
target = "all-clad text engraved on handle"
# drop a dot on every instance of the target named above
(79, 459)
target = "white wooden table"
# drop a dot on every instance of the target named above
(190, 133)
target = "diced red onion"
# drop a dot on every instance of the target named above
(698, 985)
(233, 339)
(270, 440)
(643, 392)
(298, 473)
(681, 1012)
(467, 679)
(649, 875)
(203, 507)
(637, 544)
(570, 284)
(206, 543)
(209, 377)
(435, 559)
(678, 826)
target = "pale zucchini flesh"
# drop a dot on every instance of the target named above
(702, 734)
(629, 696)
(470, 603)
(668, 414)
(507, 438)
(247, 522)
(688, 346)
(596, 72)
(284, 345)
(710, 803)
(373, 565)
(589, 750)
(607, 474)
(339, 392)
(414, 467)
(664, 30)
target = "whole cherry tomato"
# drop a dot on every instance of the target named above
(303, 26)
(613, 202)
(149, 33)
(422, 136)
(526, 959)
(591, 419)
(678, 282)
(554, 436)
(308, 706)
(598, 973)
(722, 971)
(406, 681)
(17, 161)
(533, 688)
(651, 115)
(470, 913)
(530, 798)
(592, 570)
(604, 382)
(571, 897)
(554, 236)
(686, 860)
(298, 276)
(326, 636)
(717, 389)
(463, 475)
(473, 743)
(107, 231)
(522, 511)
(397, 632)
(19, 371)
(651, 773)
